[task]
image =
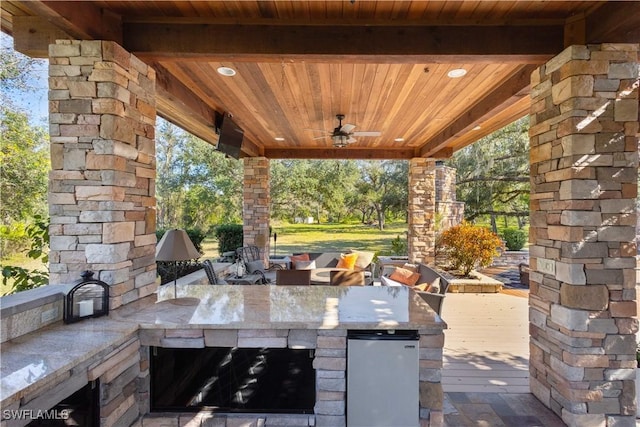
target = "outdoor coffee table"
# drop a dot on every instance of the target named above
(322, 276)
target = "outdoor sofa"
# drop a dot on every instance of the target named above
(323, 260)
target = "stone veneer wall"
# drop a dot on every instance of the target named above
(449, 212)
(102, 186)
(256, 201)
(330, 364)
(584, 165)
(422, 202)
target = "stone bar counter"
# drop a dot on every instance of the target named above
(41, 368)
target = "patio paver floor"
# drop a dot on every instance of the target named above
(486, 355)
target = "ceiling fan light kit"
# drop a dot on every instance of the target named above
(343, 135)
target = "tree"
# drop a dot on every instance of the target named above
(196, 186)
(24, 156)
(17, 72)
(383, 187)
(24, 153)
(493, 175)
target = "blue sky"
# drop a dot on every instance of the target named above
(34, 103)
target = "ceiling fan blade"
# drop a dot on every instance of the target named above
(318, 130)
(320, 137)
(351, 140)
(367, 133)
(347, 128)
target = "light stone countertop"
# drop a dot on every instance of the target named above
(286, 307)
(41, 357)
(33, 360)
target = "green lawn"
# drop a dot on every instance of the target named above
(298, 238)
(326, 237)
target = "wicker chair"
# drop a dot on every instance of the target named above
(211, 273)
(254, 263)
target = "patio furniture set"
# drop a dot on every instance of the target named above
(331, 268)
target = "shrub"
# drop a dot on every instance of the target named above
(514, 238)
(23, 279)
(399, 246)
(230, 237)
(469, 246)
(13, 239)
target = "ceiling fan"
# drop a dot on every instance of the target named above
(343, 135)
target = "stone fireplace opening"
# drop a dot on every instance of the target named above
(79, 409)
(221, 379)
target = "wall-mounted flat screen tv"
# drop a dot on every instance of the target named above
(230, 136)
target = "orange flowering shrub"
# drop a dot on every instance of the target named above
(469, 246)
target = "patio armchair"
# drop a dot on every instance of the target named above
(254, 263)
(435, 291)
(211, 273)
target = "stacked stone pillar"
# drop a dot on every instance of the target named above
(584, 166)
(256, 200)
(421, 210)
(102, 184)
(449, 212)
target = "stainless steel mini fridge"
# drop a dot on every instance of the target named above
(382, 379)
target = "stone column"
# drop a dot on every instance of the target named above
(102, 184)
(584, 165)
(255, 205)
(449, 212)
(422, 202)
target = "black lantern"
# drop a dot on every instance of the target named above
(89, 298)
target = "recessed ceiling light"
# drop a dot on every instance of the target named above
(456, 73)
(478, 127)
(279, 138)
(399, 139)
(226, 71)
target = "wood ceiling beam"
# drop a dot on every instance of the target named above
(614, 22)
(339, 153)
(179, 105)
(32, 35)
(356, 43)
(80, 20)
(510, 92)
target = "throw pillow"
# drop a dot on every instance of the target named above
(296, 258)
(411, 267)
(433, 287)
(404, 276)
(347, 261)
(305, 265)
(364, 258)
(255, 266)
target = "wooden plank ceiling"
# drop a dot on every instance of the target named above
(383, 64)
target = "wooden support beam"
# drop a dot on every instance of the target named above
(177, 100)
(508, 93)
(32, 36)
(614, 22)
(338, 153)
(355, 43)
(81, 20)
(177, 104)
(445, 153)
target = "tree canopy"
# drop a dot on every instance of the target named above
(493, 175)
